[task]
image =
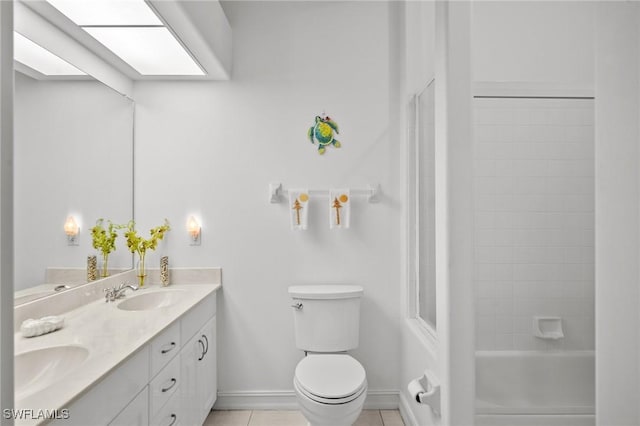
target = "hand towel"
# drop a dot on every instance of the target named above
(339, 208)
(299, 208)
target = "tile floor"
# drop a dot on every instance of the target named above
(294, 418)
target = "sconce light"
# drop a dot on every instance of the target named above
(193, 227)
(72, 230)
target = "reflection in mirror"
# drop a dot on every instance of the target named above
(73, 156)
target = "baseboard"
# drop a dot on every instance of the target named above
(256, 400)
(286, 400)
(382, 399)
(406, 413)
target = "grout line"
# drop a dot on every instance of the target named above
(250, 416)
(381, 418)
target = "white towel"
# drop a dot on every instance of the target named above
(299, 208)
(44, 325)
(339, 208)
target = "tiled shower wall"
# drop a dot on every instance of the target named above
(534, 221)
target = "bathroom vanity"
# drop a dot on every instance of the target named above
(148, 358)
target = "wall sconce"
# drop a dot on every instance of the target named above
(193, 228)
(72, 230)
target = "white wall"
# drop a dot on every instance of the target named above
(443, 31)
(618, 214)
(534, 41)
(210, 149)
(534, 224)
(6, 206)
(419, 45)
(534, 45)
(73, 155)
(417, 352)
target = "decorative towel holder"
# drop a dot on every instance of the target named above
(277, 192)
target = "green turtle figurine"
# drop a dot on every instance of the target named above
(322, 131)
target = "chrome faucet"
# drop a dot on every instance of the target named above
(111, 294)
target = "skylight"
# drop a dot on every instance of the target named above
(131, 30)
(107, 12)
(149, 50)
(40, 59)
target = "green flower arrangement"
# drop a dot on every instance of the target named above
(137, 244)
(104, 240)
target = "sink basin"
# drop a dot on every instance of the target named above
(38, 369)
(148, 301)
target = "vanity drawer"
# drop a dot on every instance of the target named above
(170, 414)
(164, 347)
(164, 386)
(193, 320)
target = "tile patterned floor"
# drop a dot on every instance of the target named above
(294, 418)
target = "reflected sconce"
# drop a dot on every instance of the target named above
(72, 230)
(194, 230)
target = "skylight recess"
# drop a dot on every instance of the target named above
(40, 59)
(131, 30)
(107, 12)
(150, 51)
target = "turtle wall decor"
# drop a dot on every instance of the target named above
(322, 131)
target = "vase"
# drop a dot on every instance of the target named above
(141, 271)
(92, 268)
(104, 270)
(164, 271)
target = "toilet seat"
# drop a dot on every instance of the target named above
(330, 378)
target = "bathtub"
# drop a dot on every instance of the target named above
(532, 388)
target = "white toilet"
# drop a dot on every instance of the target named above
(330, 385)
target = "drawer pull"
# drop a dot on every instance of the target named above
(203, 351)
(207, 342)
(174, 418)
(173, 383)
(171, 347)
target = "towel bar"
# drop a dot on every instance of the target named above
(277, 193)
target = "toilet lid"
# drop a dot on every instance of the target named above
(330, 375)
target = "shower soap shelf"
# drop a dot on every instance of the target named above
(549, 328)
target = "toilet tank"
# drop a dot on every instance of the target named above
(326, 317)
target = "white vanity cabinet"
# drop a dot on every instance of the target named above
(112, 395)
(170, 381)
(207, 378)
(136, 413)
(199, 374)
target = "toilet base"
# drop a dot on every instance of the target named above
(318, 414)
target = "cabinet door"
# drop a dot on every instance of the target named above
(136, 413)
(207, 370)
(189, 397)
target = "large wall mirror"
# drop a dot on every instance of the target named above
(73, 157)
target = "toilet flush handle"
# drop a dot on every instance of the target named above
(297, 305)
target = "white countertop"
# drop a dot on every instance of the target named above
(110, 334)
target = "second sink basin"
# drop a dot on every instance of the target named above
(38, 369)
(147, 301)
